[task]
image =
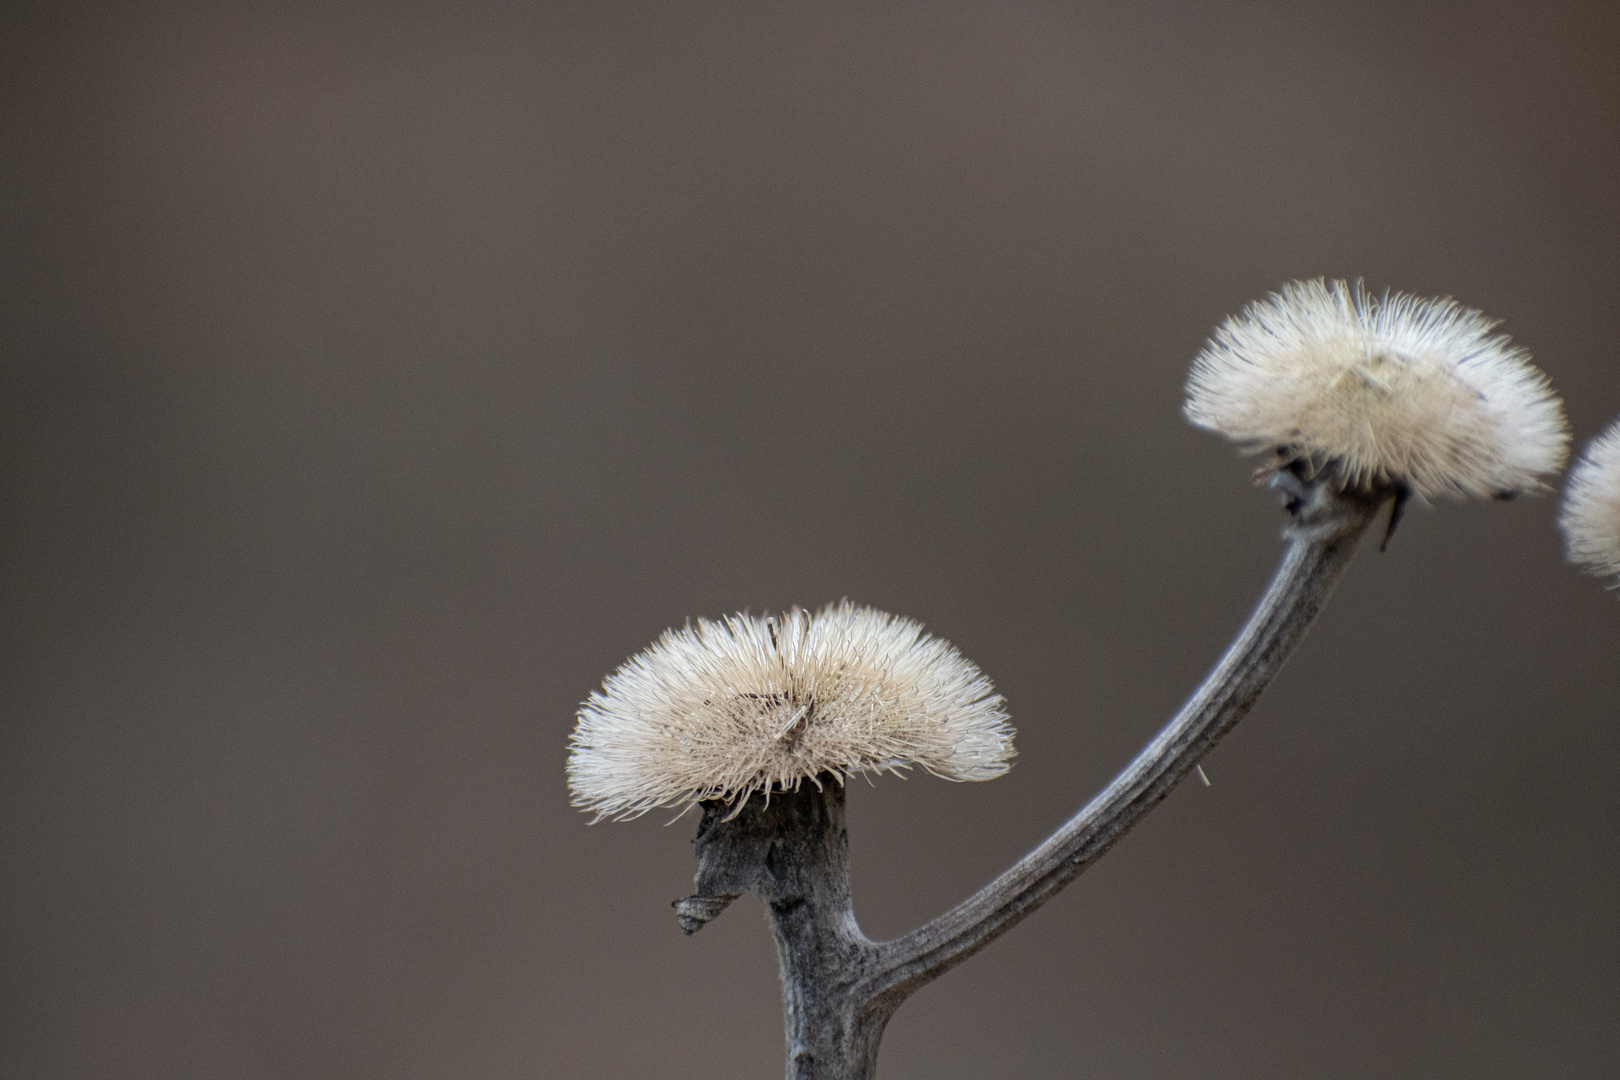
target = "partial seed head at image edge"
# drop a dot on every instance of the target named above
(1590, 515)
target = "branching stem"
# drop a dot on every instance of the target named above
(840, 989)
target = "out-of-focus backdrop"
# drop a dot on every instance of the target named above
(377, 377)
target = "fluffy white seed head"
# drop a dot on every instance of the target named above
(1591, 511)
(1380, 391)
(722, 709)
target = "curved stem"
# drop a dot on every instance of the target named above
(1321, 541)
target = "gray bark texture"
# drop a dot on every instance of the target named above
(839, 989)
(791, 848)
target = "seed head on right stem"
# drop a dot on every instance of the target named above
(1384, 396)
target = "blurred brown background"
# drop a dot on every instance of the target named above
(377, 377)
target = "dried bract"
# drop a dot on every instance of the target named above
(1392, 392)
(719, 710)
(1591, 512)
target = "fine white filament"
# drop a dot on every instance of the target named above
(719, 710)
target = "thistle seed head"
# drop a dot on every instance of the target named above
(1591, 512)
(719, 710)
(1392, 392)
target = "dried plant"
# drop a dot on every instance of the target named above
(720, 710)
(1392, 390)
(1591, 512)
(1364, 402)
